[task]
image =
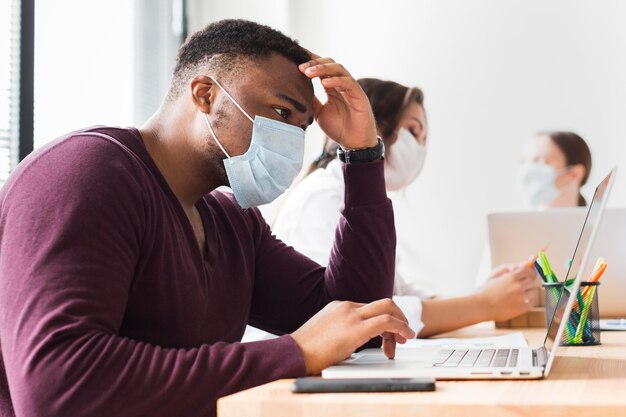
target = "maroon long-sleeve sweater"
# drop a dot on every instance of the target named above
(109, 308)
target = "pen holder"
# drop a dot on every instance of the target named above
(583, 327)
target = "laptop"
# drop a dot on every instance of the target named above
(515, 235)
(488, 363)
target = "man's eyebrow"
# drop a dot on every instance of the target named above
(299, 106)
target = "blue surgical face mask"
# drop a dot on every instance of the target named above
(537, 182)
(270, 164)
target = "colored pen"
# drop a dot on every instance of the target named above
(587, 335)
(582, 323)
(598, 264)
(539, 270)
(598, 273)
(547, 270)
(595, 277)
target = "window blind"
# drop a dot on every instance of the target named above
(9, 86)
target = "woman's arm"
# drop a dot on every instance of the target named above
(505, 295)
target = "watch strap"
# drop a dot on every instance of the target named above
(374, 153)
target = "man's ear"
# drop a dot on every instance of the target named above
(203, 92)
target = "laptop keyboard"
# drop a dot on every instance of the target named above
(477, 358)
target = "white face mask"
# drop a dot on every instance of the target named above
(537, 183)
(270, 164)
(404, 161)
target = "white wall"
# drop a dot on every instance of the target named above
(494, 72)
(275, 13)
(83, 66)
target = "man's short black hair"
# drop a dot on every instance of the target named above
(221, 47)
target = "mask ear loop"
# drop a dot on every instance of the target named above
(233, 100)
(206, 119)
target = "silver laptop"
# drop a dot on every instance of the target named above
(500, 363)
(514, 235)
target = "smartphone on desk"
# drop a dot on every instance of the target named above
(310, 385)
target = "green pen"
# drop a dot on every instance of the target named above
(583, 316)
(542, 264)
(579, 296)
(547, 270)
(570, 281)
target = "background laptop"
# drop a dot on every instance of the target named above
(514, 235)
(502, 363)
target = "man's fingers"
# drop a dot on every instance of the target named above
(313, 55)
(347, 89)
(389, 346)
(314, 62)
(383, 306)
(324, 70)
(386, 323)
(336, 80)
(344, 84)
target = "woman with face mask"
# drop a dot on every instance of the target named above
(309, 216)
(554, 167)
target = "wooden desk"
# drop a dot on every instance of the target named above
(584, 381)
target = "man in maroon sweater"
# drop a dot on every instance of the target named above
(126, 279)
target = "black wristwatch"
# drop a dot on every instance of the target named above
(351, 156)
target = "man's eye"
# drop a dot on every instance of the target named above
(284, 113)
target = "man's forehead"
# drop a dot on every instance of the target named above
(277, 75)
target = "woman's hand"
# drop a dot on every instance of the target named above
(508, 291)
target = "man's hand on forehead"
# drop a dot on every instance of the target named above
(346, 117)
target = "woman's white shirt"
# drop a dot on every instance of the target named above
(308, 219)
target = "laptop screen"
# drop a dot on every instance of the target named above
(580, 267)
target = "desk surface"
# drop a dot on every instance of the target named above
(590, 381)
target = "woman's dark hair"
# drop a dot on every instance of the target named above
(388, 99)
(576, 152)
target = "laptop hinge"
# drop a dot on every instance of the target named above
(540, 356)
